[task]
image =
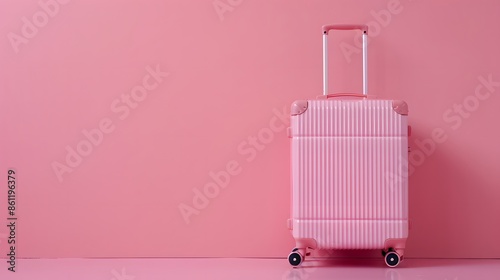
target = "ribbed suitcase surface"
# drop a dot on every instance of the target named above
(348, 185)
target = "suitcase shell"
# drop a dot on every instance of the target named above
(349, 166)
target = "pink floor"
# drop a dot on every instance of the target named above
(255, 269)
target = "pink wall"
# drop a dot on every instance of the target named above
(232, 76)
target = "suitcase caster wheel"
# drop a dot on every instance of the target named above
(392, 259)
(295, 258)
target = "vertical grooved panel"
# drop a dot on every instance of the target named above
(348, 185)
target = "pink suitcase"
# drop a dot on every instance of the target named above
(349, 164)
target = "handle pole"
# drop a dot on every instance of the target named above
(327, 28)
(325, 64)
(365, 64)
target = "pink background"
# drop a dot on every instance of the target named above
(228, 77)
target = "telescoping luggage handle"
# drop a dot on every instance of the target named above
(364, 29)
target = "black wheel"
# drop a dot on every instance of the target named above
(392, 259)
(294, 258)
